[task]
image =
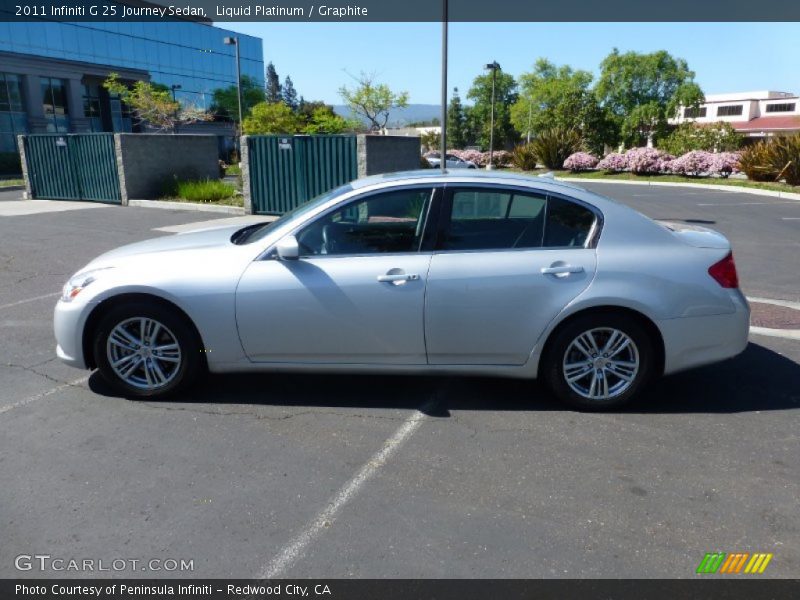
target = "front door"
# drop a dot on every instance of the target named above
(506, 263)
(355, 296)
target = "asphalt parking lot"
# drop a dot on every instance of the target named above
(355, 476)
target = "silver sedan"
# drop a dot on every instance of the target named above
(463, 273)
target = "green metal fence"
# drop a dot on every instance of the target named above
(80, 166)
(286, 171)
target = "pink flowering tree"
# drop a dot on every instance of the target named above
(580, 161)
(647, 161)
(613, 163)
(692, 164)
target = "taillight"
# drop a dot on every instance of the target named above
(724, 272)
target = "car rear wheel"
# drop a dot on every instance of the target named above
(146, 350)
(598, 362)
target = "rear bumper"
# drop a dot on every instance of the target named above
(695, 341)
(68, 322)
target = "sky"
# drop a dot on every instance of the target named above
(321, 57)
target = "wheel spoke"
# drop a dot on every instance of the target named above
(575, 371)
(131, 368)
(156, 371)
(119, 363)
(581, 345)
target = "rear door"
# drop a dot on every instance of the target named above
(506, 262)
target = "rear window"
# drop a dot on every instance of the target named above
(490, 219)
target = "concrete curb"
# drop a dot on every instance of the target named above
(703, 186)
(190, 206)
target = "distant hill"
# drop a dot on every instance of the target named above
(400, 117)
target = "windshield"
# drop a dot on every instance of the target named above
(253, 233)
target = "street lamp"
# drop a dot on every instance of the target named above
(493, 67)
(173, 87)
(234, 41)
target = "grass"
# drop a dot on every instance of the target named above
(10, 182)
(204, 190)
(234, 169)
(626, 176)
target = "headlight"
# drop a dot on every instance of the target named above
(78, 283)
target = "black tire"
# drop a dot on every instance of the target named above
(190, 363)
(552, 370)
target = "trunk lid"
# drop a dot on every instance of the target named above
(697, 236)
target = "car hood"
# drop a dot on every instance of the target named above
(206, 239)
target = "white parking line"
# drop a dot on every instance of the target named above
(784, 303)
(292, 551)
(746, 203)
(18, 302)
(50, 392)
(786, 334)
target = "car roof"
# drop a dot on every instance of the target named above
(435, 176)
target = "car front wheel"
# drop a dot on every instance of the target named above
(146, 350)
(599, 362)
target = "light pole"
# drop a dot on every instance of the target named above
(530, 114)
(494, 67)
(234, 41)
(443, 154)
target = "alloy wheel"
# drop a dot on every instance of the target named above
(143, 353)
(601, 363)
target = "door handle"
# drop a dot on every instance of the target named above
(562, 269)
(397, 277)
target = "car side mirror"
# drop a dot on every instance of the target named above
(288, 248)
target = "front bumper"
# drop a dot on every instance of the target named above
(68, 322)
(695, 341)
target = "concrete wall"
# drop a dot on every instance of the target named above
(387, 154)
(147, 162)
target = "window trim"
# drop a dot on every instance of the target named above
(430, 220)
(445, 213)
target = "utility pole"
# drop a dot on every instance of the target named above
(494, 67)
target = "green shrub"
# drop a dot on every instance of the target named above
(552, 146)
(208, 190)
(233, 169)
(786, 155)
(773, 159)
(10, 163)
(524, 157)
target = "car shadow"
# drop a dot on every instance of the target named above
(759, 379)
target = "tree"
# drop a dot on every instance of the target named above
(273, 89)
(324, 120)
(152, 104)
(225, 103)
(558, 96)
(273, 117)
(372, 100)
(715, 137)
(505, 96)
(456, 122)
(289, 94)
(643, 91)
